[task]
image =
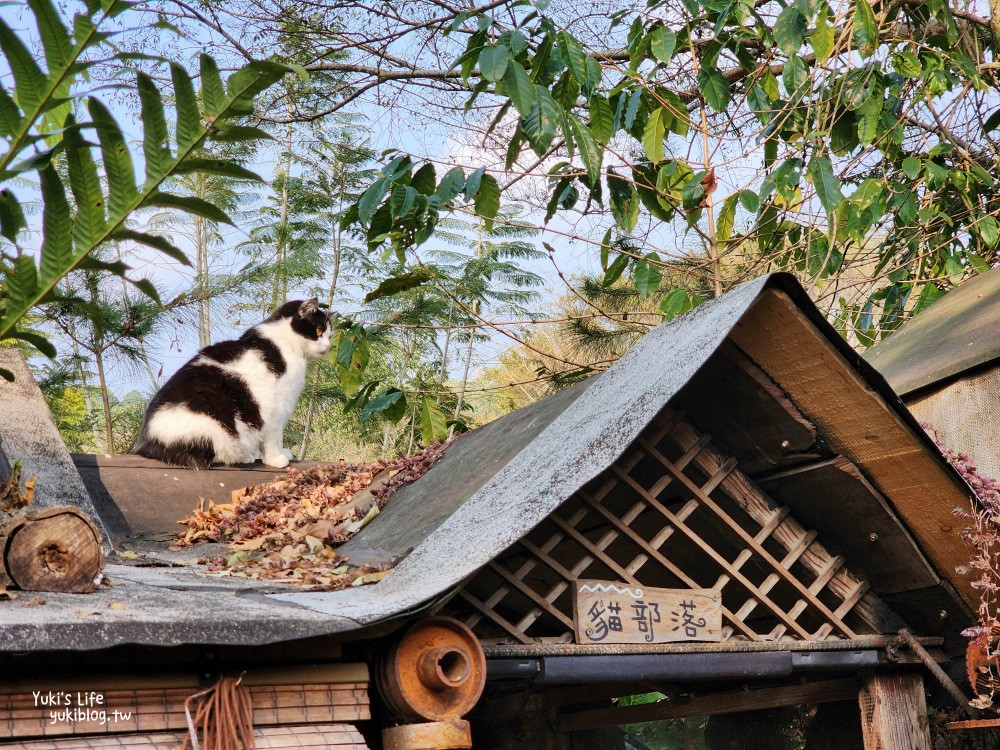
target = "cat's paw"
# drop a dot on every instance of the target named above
(278, 460)
(287, 453)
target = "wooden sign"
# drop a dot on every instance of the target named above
(609, 612)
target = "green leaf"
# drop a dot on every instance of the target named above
(727, 217)
(488, 200)
(677, 302)
(190, 204)
(401, 283)
(602, 119)
(155, 137)
(11, 215)
(615, 271)
(715, 88)
(826, 183)
(451, 185)
(371, 199)
(906, 64)
(146, 287)
(424, 179)
(29, 80)
(472, 184)
(433, 422)
(822, 36)
(86, 188)
(219, 167)
(648, 275)
(750, 201)
(10, 116)
(662, 43)
(590, 152)
(57, 226)
(911, 167)
(652, 136)
(391, 404)
(988, 229)
(213, 94)
(929, 294)
(572, 54)
(542, 122)
(38, 341)
(402, 200)
(520, 88)
(117, 161)
(869, 121)
(155, 241)
(55, 39)
(250, 80)
(21, 283)
(188, 115)
(865, 28)
(624, 203)
(605, 249)
(493, 62)
(790, 30)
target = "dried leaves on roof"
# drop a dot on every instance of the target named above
(15, 494)
(287, 529)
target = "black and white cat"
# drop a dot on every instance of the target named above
(230, 403)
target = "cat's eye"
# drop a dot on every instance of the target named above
(319, 331)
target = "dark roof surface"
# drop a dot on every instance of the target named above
(958, 333)
(491, 488)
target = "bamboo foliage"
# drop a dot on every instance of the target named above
(43, 134)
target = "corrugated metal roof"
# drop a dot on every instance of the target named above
(956, 334)
(491, 488)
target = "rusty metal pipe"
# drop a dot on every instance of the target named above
(935, 669)
(435, 672)
(445, 667)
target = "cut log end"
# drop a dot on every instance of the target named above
(55, 550)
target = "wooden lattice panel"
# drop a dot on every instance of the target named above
(672, 512)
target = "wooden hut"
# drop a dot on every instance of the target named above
(741, 463)
(945, 364)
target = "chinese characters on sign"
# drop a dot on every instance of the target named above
(609, 612)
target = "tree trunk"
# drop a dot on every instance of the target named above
(280, 290)
(465, 371)
(105, 400)
(335, 239)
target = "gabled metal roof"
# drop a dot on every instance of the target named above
(492, 487)
(956, 334)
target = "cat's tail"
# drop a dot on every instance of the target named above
(195, 454)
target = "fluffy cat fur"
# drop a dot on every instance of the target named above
(230, 403)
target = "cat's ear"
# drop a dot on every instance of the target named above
(309, 308)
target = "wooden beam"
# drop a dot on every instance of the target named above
(717, 703)
(894, 712)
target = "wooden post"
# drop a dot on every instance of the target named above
(894, 712)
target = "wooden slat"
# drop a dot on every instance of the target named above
(720, 561)
(153, 709)
(759, 506)
(340, 736)
(742, 533)
(530, 593)
(492, 615)
(656, 555)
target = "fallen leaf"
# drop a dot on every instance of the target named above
(88, 612)
(117, 605)
(129, 555)
(36, 602)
